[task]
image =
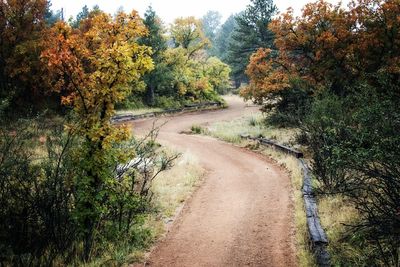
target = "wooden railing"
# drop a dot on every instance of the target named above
(317, 235)
(188, 107)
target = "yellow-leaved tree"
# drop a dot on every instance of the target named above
(94, 67)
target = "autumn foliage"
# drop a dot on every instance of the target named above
(329, 47)
(95, 67)
(22, 35)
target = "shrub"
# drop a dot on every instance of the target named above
(196, 129)
(39, 219)
(354, 143)
(37, 197)
(167, 102)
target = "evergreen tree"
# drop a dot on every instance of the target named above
(223, 38)
(50, 16)
(211, 23)
(83, 14)
(156, 40)
(250, 34)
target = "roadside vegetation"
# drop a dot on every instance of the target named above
(334, 74)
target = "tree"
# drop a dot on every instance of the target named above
(52, 17)
(83, 14)
(94, 68)
(188, 34)
(22, 25)
(156, 40)
(211, 22)
(328, 47)
(250, 34)
(218, 74)
(223, 38)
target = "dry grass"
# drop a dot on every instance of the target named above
(174, 186)
(253, 125)
(335, 213)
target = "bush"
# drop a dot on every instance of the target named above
(37, 197)
(132, 102)
(167, 102)
(354, 143)
(39, 215)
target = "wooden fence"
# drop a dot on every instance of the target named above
(188, 107)
(317, 235)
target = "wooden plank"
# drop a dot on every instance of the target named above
(307, 181)
(283, 148)
(322, 255)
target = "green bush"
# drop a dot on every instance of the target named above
(354, 141)
(167, 102)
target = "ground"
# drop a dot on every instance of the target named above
(242, 214)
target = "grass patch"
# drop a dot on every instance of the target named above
(345, 247)
(196, 129)
(174, 186)
(253, 125)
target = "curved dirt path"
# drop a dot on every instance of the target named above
(242, 215)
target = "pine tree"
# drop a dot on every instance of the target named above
(250, 34)
(156, 40)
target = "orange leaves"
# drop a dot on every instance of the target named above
(265, 76)
(22, 29)
(328, 46)
(95, 66)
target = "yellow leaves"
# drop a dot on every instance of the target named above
(96, 67)
(188, 34)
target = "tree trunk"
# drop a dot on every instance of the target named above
(150, 95)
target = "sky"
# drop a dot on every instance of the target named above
(168, 10)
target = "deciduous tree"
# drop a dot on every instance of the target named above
(329, 47)
(94, 68)
(188, 34)
(22, 24)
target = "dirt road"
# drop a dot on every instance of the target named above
(242, 215)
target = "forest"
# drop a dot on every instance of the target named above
(332, 73)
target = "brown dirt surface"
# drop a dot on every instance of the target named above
(242, 214)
